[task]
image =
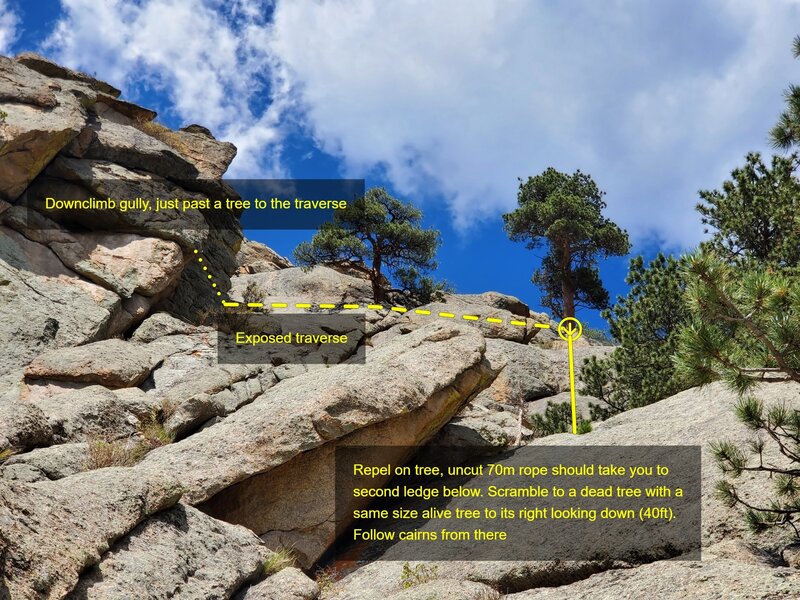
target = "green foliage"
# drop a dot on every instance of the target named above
(745, 329)
(755, 217)
(278, 560)
(3, 116)
(786, 132)
(557, 418)
(781, 424)
(421, 289)
(646, 324)
(253, 293)
(418, 575)
(745, 324)
(373, 233)
(565, 213)
(598, 335)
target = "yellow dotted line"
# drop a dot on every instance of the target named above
(331, 306)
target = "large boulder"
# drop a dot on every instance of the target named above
(110, 137)
(113, 363)
(294, 285)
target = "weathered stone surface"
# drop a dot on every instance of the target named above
(381, 579)
(41, 119)
(22, 426)
(459, 306)
(307, 411)
(209, 156)
(287, 584)
(254, 257)
(292, 285)
(538, 407)
(109, 138)
(53, 530)
(496, 300)
(46, 67)
(113, 363)
(447, 589)
(54, 462)
(522, 373)
(159, 325)
(86, 414)
(557, 377)
(45, 305)
(122, 262)
(433, 371)
(192, 556)
(671, 580)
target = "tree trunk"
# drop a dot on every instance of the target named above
(567, 285)
(375, 279)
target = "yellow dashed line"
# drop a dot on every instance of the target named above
(398, 309)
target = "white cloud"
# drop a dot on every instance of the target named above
(655, 100)
(198, 52)
(9, 27)
(461, 97)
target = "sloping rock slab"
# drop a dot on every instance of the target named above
(51, 531)
(676, 580)
(113, 363)
(191, 555)
(311, 409)
(286, 584)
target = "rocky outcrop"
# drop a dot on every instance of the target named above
(51, 531)
(194, 556)
(434, 371)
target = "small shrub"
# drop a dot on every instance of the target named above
(279, 560)
(228, 320)
(5, 454)
(327, 578)
(253, 293)
(153, 431)
(114, 453)
(418, 575)
(557, 418)
(598, 335)
(3, 116)
(164, 134)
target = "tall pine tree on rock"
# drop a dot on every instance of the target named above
(564, 212)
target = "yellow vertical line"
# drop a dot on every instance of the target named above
(572, 384)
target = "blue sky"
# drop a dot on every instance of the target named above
(446, 103)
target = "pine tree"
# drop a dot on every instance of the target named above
(374, 233)
(786, 132)
(745, 330)
(756, 215)
(645, 324)
(565, 212)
